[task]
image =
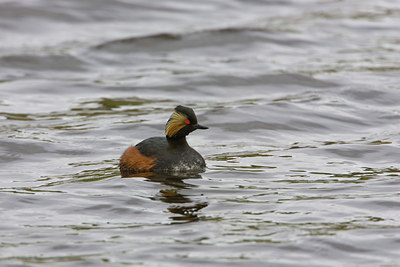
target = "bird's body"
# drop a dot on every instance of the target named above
(166, 154)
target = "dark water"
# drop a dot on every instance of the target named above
(302, 100)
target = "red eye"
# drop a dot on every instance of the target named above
(187, 121)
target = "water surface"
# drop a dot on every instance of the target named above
(302, 100)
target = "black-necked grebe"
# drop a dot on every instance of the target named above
(166, 154)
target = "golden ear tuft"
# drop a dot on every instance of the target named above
(176, 122)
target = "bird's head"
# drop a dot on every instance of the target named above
(182, 122)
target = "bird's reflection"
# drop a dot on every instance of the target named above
(183, 208)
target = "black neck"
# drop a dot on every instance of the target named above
(175, 142)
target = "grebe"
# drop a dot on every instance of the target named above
(171, 153)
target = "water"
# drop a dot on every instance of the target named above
(302, 100)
